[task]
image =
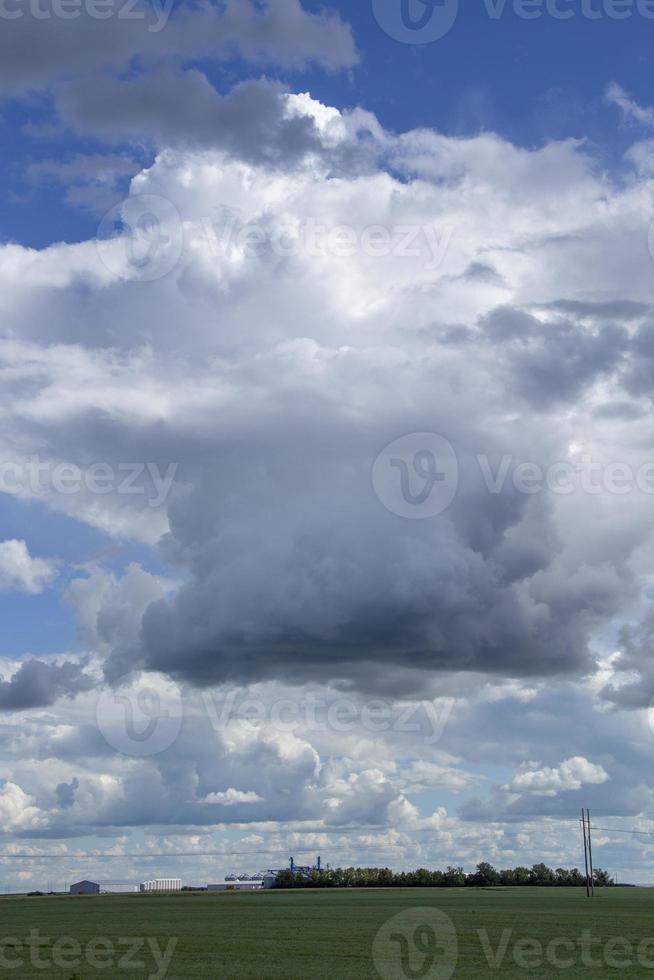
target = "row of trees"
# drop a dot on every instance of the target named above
(484, 876)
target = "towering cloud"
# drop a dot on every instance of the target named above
(369, 413)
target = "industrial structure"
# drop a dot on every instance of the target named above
(125, 887)
(243, 883)
(231, 882)
(162, 885)
(305, 870)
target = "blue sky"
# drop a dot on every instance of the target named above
(474, 311)
(529, 80)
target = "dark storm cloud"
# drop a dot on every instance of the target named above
(65, 793)
(618, 309)
(37, 684)
(294, 570)
(182, 109)
(555, 360)
(298, 573)
(36, 51)
(466, 619)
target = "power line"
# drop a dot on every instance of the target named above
(221, 854)
(590, 854)
(93, 857)
(618, 830)
(585, 835)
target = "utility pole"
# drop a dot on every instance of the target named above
(590, 855)
(583, 831)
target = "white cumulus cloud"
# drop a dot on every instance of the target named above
(571, 774)
(20, 572)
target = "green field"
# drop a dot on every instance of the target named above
(325, 933)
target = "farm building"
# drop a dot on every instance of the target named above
(85, 888)
(104, 887)
(125, 887)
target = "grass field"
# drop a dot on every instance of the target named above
(331, 934)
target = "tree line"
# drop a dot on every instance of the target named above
(484, 876)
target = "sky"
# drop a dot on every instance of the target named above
(326, 466)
